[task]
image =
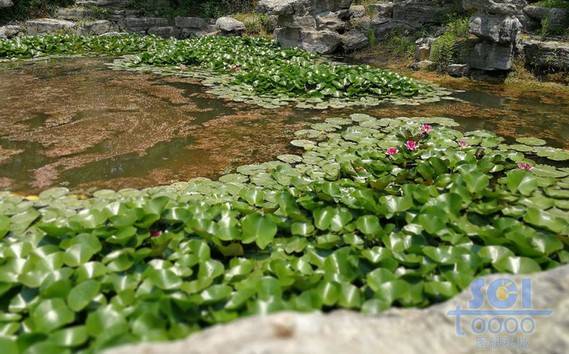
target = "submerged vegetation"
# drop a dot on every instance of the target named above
(375, 213)
(253, 65)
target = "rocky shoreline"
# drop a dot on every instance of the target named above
(499, 32)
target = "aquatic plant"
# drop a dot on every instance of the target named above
(343, 225)
(242, 64)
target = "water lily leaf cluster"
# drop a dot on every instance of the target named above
(373, 213)
(245, 69)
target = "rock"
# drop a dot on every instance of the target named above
(495, 28)
(546, 56)
(48, 25)
(496, 7)
(423, 65)
(483, 55)
(383, 26)
(164, 32)
(10, 31)
(323, 42)
(6, 3)
(423, 48)
(144, 23)
(301, 7)
(229, 25)
(409, 331)
(95, 27)
(191, 22)
(330, 21)
(195, 32)
(354, 40)
(297, 21)
(74, 13)
(557, 18)
(382, 9)
(457, 70)
(419, 12)
(357, 11)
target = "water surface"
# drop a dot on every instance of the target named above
(75, 123)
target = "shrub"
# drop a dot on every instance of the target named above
(23, 9)
(444, 48)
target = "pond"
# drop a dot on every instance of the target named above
(75, 123)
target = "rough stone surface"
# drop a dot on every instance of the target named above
(164, 32)
(420, 12)
(357, 11)
(314, 25)
(558, 18)
(495, 28)
(497, 7)
(458, 70)
(406, 331)
(382, 9)
(10, 31)
(229, 25)
(96, 27)
(323, 42)
(330, 21)
(423, 48)
(354, 40)
(74, 13)
(48, 25)
(6, 3)
(301, 7)
(423, 65)
(191, 22)
(145, 22)
(490, 56)
(546, 56)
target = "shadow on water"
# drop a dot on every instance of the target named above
(75, 123)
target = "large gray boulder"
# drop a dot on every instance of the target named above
(6, 3)
(323, 42)
(301, 7)
(97, 27)
(48, 25)
(497, 7)
(10, 31)
(495, 28)
(406, 331)
(490, 56)
(143, 24)
(229, 25)
(354, 40)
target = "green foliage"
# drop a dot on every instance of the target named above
(400, 45)
(344, 226)
(258, 63)
(256, 24)
(202, 8)
(23, 9)
(563, 4)
(444, 48)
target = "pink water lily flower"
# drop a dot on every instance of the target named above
(155, 233)
(525, 166)
(391, 151)
(426, 129)
(411, 145)
(463, 144)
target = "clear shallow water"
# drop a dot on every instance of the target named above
(75, 123)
